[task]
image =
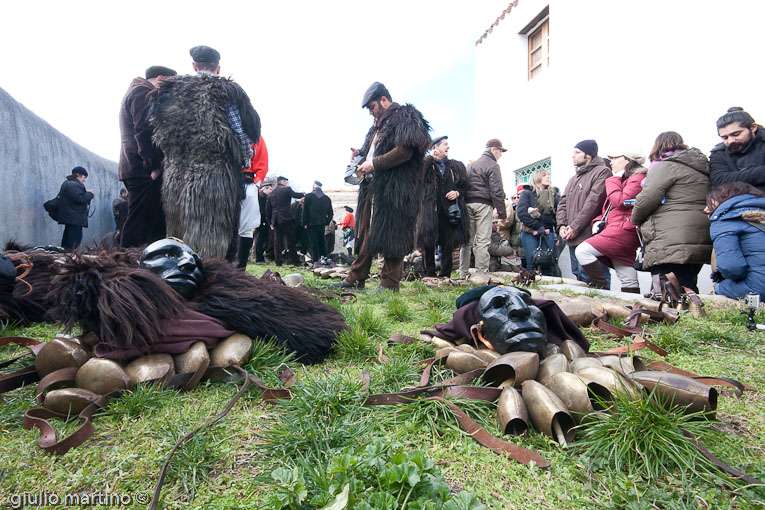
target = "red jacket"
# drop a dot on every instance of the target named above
(348, 222)
(259, 161)
(619, 239)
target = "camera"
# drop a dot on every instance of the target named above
(752, 301)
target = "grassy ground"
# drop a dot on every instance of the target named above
(302, 453)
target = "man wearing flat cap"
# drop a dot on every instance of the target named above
(73, 202)
(205, 126)
(443, 218)
(485, 192)
(581, 201)
(393, 150)
(140, 162)
(317, 213)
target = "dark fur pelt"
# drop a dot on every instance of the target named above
(397, 191)
(203, 159)
(111, 296)
(264, 309)
(435, 206)
(28, 302)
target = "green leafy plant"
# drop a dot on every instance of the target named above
(267, 355)
(376, 476)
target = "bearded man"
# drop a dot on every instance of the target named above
(393, 150)
(741, 154)
(205, 126)
(443, 217)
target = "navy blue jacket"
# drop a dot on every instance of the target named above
(740, 246)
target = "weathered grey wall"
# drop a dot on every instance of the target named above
(35, 159)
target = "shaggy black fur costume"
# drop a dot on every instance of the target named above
(28, 303)
(107, 293)
(434, 208)
(264, 309)
(396, 192)
(203, 160)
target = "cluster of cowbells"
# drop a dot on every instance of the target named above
(560, 391)
(96, 376)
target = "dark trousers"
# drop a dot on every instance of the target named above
(245, 245)
(145, 221)
(445, 240)
(393, 268)
(261, 242)
(687, 274)
(284, 233)
(316, 240)
(329, 243)
(72, 237)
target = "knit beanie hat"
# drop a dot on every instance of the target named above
(589, 147)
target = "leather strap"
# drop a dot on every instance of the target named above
(246, 377)
(38, 418)
(720, 464)
(601, 324)
(63, 376)
(398, 338)
(22, 376)
(641, 343)
(484, 438)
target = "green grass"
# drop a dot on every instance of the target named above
(323, 433)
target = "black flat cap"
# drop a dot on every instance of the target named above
(79, 170)
(154, 71)
(349, 209)
(436, 141)
(374, 91)
(204, 54)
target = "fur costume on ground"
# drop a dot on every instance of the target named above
(434, 203)
(203, 160)
(396, 192)
(263, 308)
(107, 293)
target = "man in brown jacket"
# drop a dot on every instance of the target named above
(141, 162)
(484, 193)
(582, 202)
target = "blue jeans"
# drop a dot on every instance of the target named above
(578, 270)
(531, 243)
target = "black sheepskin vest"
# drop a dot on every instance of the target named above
(434, 205)
(396, 192)
(203, 159)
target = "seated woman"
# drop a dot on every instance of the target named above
(737, 212)
(536, 210)
(616, 244)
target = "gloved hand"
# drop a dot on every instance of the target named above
(716, 276)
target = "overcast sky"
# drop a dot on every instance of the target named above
(304, 64)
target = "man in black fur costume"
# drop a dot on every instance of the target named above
(393, 149)
(130, 308)
(444, 185)
(204, 125)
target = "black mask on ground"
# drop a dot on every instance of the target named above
(177, 264)
(511, 321)
(7, 274)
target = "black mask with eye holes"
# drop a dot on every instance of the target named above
(511, 321)
(177, 264)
